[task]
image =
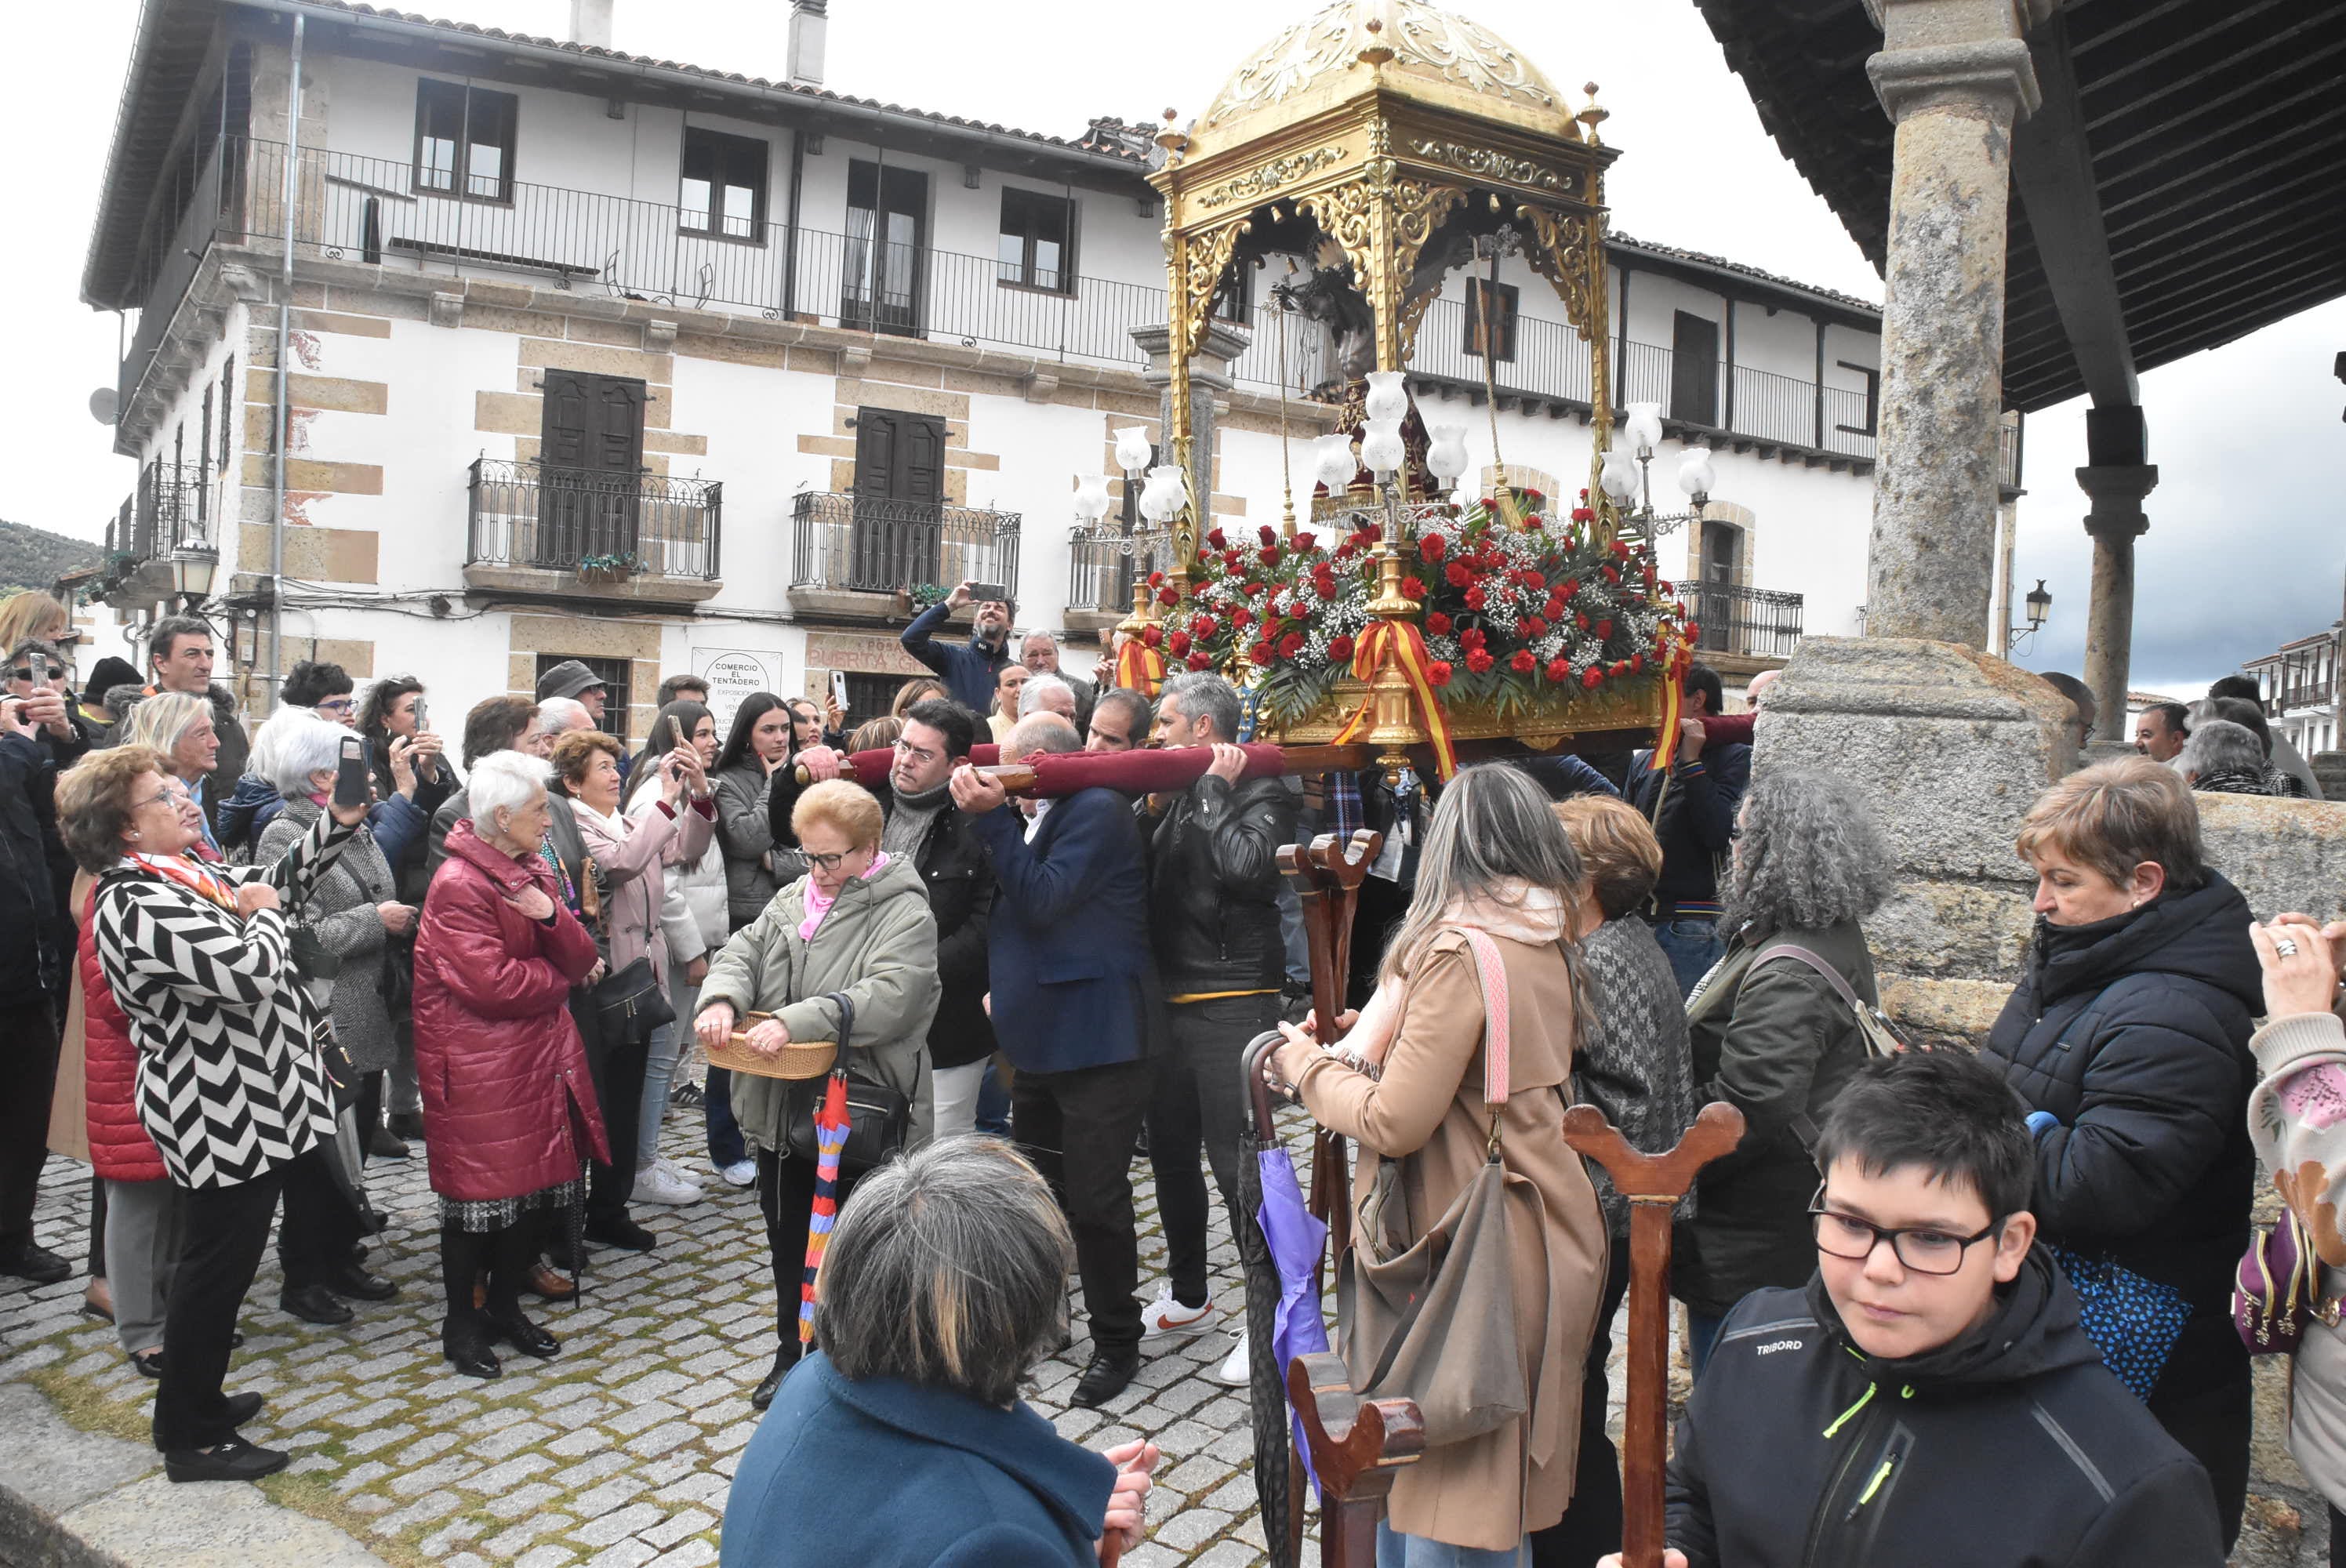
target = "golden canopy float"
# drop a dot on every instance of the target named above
(1390, 143)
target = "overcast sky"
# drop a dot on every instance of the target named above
(2246, 547)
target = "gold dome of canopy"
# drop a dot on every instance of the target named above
(1438, 58)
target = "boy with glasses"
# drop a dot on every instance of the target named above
(1930, 1398)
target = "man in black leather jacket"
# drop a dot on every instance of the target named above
(1213, 915)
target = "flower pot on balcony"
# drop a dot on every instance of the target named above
(605, 574)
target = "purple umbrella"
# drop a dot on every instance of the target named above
(1281, 1243)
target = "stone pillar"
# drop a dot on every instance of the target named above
(1210, 383)
(2116, 522)
(1955, 75)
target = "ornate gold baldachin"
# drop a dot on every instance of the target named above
(1257, 183)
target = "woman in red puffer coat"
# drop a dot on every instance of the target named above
(509, 1113)
(142, 1208)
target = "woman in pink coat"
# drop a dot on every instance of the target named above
(509, 1112)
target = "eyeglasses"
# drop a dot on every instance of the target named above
(830, 862)
(1925, 1249)
(24, 673)
(335, 705)
(181, 800)
(917, 753)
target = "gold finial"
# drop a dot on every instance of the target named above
(1592, 114)
(1171, 139)
(1376, 51)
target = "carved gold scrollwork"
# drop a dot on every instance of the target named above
(1381, 220)
(1561, 253)
(1204, 259)
(1256, 183)
(1487, 163)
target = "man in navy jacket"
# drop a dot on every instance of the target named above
(1073, 1004)
(968, 669)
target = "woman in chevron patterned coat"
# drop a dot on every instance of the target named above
(230, 1086)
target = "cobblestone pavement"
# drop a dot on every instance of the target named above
(619, 1451)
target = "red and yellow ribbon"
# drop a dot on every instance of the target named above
(1139, 667)
(1400, 643)
(1674, 661)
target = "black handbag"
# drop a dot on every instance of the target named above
(878, 1117)
(628, 1003)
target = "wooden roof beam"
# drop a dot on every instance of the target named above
(2052, 171)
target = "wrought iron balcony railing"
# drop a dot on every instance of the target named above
(1100, 572)
(874, 545)
(1752, 622)
(599, 524)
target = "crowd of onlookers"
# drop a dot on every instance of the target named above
(243, 968)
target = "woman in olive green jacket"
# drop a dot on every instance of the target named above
(857, 923)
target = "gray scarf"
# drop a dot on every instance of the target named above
(908, 824)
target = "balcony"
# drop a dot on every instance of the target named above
(1100, 574)
(1745, 630)
(851, 555)
(540, 530)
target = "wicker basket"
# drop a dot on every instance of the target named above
(799, 1059)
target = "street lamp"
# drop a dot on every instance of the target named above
(193, 568)
(2040, 610)
(1627, 475)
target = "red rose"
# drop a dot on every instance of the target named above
(1412, 587)
(1534, 628)
(1339, 649)
(1260, 653)
(1554, 607)
(1267, 535)
(1523, 663)
(1202, 626)
(1473, 637)
(1241, 618)
(1534, 582)
(1581, 621)
(1168, 597)
(1156, 579)
(1620, 551)
(1438, 673)
(1664, 589)
(1307, 541)
(1584, 514)
(1217, 540)
(1152, 636)
(1534, 496)
(1571, 588)
(1476, 598)
(1636, 663)
(1620, 666)
(1479, 660)
(1432, 547)
(1437, 625)
(1693, 632)
(1233, 560)
(1177, 644)
(1594, 678)
(1267, 556)
(1605, 628)
(1558, 671)
(1199, 661)
(1460, 576)
(1610, 574)
(1290, 645)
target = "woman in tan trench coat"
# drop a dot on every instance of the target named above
(1497, 861)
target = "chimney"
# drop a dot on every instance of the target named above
(590, 22)
(809, 20)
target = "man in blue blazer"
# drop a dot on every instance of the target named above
(1074, 1008)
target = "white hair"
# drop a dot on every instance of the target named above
(163, 720)
(1039, 632)
(2220, 746)
(558, 714)
(505, 781)
(262, 761)
(1030, 696)
(302, 746)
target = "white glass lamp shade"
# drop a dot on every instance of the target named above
(1334, 463)
(1380, 446)
(1162, 496)
(1645, 426)
(1619, 477)
(193, 566)
(1132, 449)
(1695, 475)
(1092, 501)
(1387, 396)
(1446, 457)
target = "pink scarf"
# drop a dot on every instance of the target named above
(818, 902)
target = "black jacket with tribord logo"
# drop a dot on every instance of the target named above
(2013, 1447)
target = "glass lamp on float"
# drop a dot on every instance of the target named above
(1445, 456)
(1628, 474)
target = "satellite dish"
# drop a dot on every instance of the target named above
(105, 405)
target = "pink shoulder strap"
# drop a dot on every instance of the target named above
(1492, 969)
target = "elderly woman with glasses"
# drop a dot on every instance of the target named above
(902, 1442)
(230, 1088)
(180, 727)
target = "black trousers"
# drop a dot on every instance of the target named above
(1078, 1128)
(1590, 1528)
(786, 1198)
(617, 1069)
(28, 1076)
(506, 1255)
(316, 1237)
(2337, 1538)
(1199, 1099)
(2212, 1425)
(227, 1227)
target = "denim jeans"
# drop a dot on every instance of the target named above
(993, 1103)
(1702, 1334)
(659, 1071)
(1693, 944)
(1395, 1550)
(725, 1147)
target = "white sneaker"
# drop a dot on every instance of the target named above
(1166, 1316)
(676, 1171)
(740, 1173)
(1233, 1371)
(655, 1185)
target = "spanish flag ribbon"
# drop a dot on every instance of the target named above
(1674, 661)
(1400, 643)
(1139, 667)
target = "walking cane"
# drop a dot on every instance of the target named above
(1653, 1184)
(1358, 1448)
(1328, 877)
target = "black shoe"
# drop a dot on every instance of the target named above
(358, 1285)
(234, 1459)
(1110, 1372)
(150, 1365)
(38, 1264)
(525, 1337)
(408, 1125)
(558, 1254)
(382, 1144)
(622, 1232)
(467, 1346)
(688, 1095)
(242, 1407)
(784, 1360)
(314, 1304)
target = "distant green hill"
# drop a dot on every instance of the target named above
(35, 558)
